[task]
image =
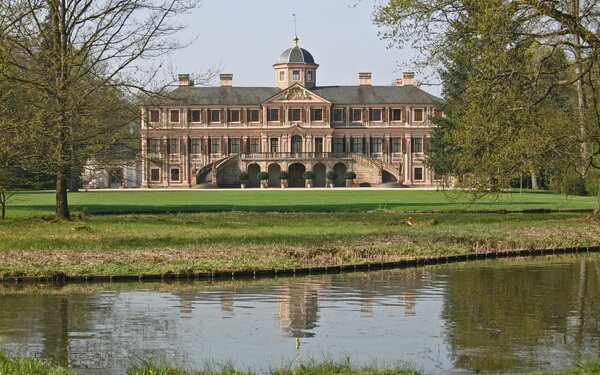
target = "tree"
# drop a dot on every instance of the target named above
(522, 103)
(82, 62)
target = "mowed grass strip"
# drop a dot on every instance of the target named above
(230, 241)
(29, 204)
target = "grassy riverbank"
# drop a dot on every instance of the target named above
(40, 204)
(233, 241)
(26, 366)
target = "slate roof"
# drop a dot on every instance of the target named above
(296, 55)
(335, 94)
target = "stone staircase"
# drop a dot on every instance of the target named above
(380, 166)
(207, 175)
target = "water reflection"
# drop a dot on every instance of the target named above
(493, 316)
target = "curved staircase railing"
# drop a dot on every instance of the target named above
(378, 165)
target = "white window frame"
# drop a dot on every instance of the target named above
(212, 144)
(299, 75)
(361, 114)
(310, 75)
(271, 117)
(178, 174)
(415, 174)
(239, 115)
(341, 117)
(299, 114)
(150, 116)
(322, 114)
(176, 141)
(282, 76)
(154, 169)
(211, 119)
(192, 117)
(179, 117)
(401, 109)
(413, 114)
(381, 114)
(412, 145)
(199, 145)
(258, 118)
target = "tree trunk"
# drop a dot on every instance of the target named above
(596, 213)
(3, 200)
(581, 98)
(534, 181)
(62, 204)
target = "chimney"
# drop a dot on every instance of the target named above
(226, 80)
(185, 81)
(408, 78)
(364, 79)
(399, 82)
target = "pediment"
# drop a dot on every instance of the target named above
(296, 94)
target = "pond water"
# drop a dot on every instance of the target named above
(506, 315)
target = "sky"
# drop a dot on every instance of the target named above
(245, 38)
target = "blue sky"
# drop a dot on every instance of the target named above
(245, 37)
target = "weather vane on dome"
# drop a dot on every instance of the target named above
(295, 31)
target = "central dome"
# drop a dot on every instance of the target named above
(295, 55)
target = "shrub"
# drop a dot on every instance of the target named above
(573, 184)
(263, 176)
(244, 176)
(308, 175)
(283, 175)
(350, 175)
(332, 175)
(591, 183)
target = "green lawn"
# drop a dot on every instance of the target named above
(38, 204)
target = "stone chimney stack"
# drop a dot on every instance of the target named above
(408, 79)
(399, 82)
(185, 81)
(364, 79)
(226, 80)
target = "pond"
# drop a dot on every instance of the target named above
(507, 315)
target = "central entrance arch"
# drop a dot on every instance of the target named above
(319, 170)
(296, 170)
(253, 170)
(274, 170)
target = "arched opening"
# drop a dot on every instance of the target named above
(340, 169)
(296, 170)
(388, 177)
(296, 144)
(253, 171)
(320, 171)
(274, 170)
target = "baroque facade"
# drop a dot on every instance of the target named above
(206, 136)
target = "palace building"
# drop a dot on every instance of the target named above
(206, 136)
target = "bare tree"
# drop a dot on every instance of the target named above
(83, 63)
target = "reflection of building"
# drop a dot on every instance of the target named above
(298, 308)
(210, 134)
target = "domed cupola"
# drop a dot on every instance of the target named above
(295, 65)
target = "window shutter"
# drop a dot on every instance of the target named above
(425, 144)
(370, 114)
(222, 119)
(189, 116)
(364, 115)
(242, 114)
(302, 114)
(260, 116)
(202, 115)
(168, 146)
(344, 110)
(281, 119)
(404, 117)
(403, 145)
(385, 114)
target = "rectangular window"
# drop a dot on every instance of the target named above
(255, 115)
(318, 114)
(357, 145)
(309, 75)
(154, 115)
(338, 145)
(153, 145)
(234, 115)
(296, 114)
(174, 146)
(418, 114)
(337, 114)
(234, 146)
(254, 145)
(356, 115)
(155, 174)
(377, 114)
(174, 115)
(215, 145)
(397, 114)
(175, 174)
(274, 145)
(417, 145)
(215, 115)
(377, 141)
(296, 75)
(282, 76)
(418, 174)
(195, 146)
(273, 115)
(195, 115)
(396, 145)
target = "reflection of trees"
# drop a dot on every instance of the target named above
(298, 309)
(505, 317)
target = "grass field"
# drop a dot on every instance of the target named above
(40, 204)
(227, 241)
